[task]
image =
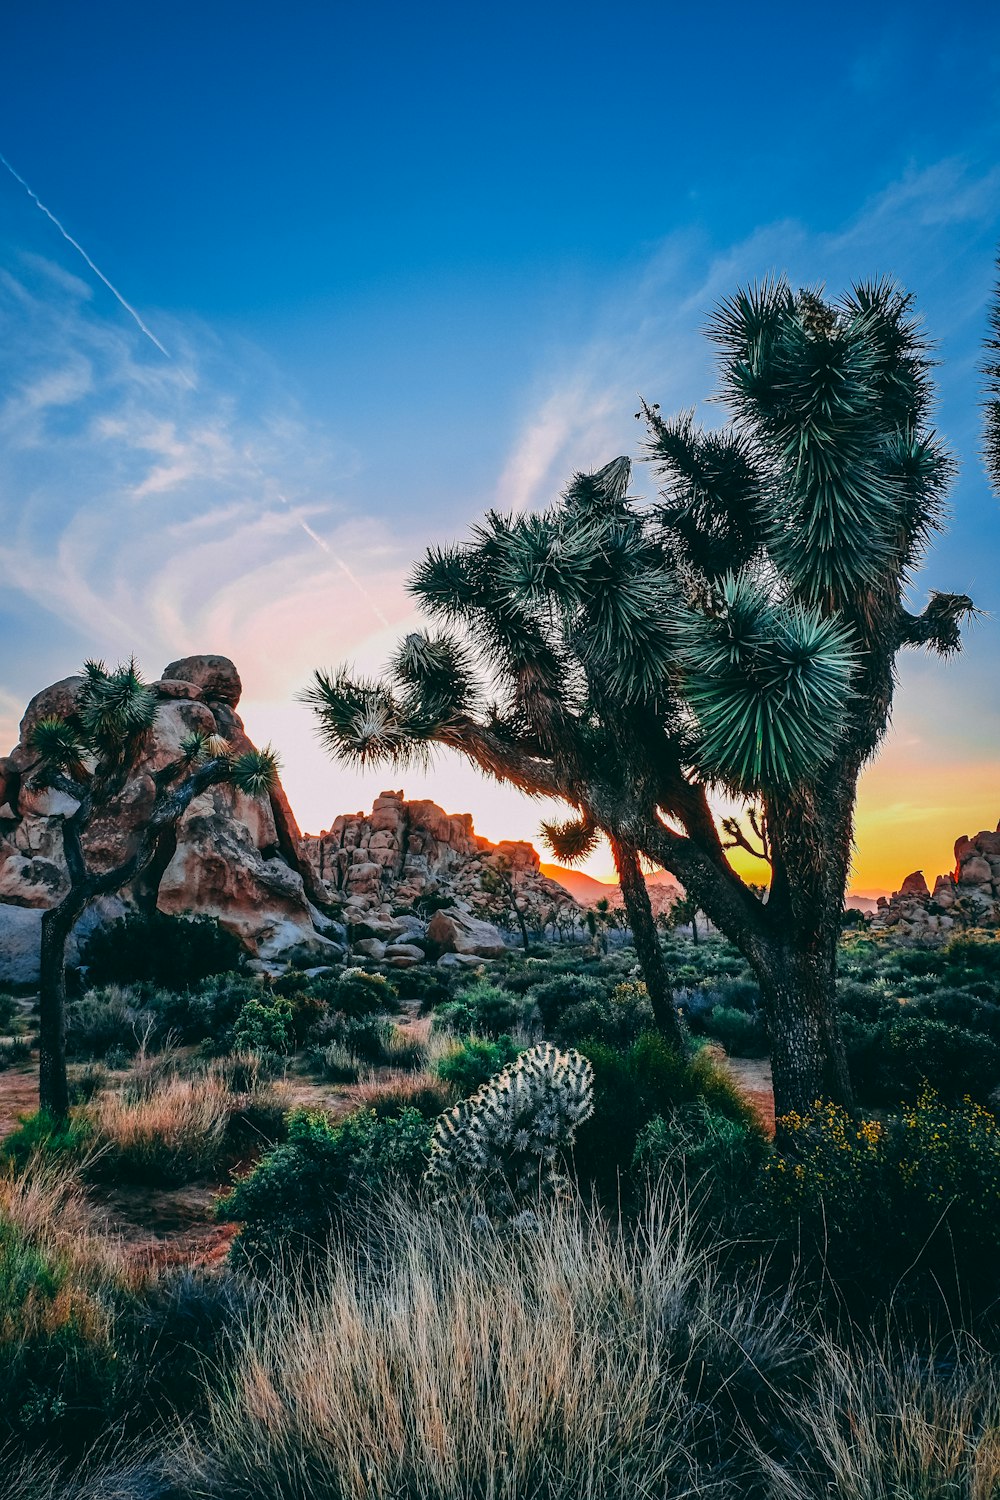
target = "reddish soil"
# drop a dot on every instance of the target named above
(18, 1096)
(753, 1074)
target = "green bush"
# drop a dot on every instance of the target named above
(357, 993)
(109, 1019)
(175, 952)
(295, 1193)
(57, 1359)
(717, 1156)
(475, 1061)
(553, 997)
(13, 1051)
(741, 1034)
(618, 1019)
(264, 1027)
(208, 1010)
(634, 1085)
(913, 1198)
(44, 1135)
(483, 1008)
(891, 1061)
(9, 1010)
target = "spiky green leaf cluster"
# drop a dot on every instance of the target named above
(255, 772)
(116, 708)
(501, 1150)
(769, 684)
(571, 840)
(58, 745)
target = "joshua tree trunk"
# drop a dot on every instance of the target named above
(647, 941)
(53, 1088)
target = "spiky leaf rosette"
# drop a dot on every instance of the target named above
(359, 719)
(826, 391)
(501, 1150)
(58, 745)
(255, 772)
(117, 709)
(769, 684)
(571, 840)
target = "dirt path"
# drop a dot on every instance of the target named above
(18, 1096)
(753, 1074)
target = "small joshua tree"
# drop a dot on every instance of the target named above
(503, 1148)
(89, 755)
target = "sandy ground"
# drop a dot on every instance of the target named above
(753, 1074)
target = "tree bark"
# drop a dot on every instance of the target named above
(647, 941)
(53, 1087)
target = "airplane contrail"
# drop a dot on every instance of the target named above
(143, 328)
(81, 251)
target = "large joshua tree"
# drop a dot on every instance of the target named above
(89, 755)
(736, 636)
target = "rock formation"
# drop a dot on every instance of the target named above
(969, 896)
(391, 868)
(236, 859)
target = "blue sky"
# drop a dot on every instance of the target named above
(408, 263)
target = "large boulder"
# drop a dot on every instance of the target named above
(455, 931)
(236, 859)
(20, 946)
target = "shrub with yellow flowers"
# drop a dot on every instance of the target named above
(911, 1197)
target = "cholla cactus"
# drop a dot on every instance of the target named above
(502, 1148)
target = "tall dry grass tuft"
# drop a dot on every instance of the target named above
(446, 1363)
(44, 1205)
(885, 1423)
(168, 1127)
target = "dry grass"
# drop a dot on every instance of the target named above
(882, 1423)
(163, 1126)
(45, 1205)
(447, 1363)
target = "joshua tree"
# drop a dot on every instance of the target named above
(739, 634)
(89, 756)
(683, 912)
(497, 880)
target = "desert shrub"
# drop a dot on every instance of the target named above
(61, 1290)
(9, 1010)
(483, 1008)
(335, 1062)
(88, 1082)
(175, 1133)
(977, 957)
(617, 1020)
(209, 1009)
(635, 1084)
(264, 1027)
(961, 1008)
(293, 1196)
(110, 1018)
(742, 1034)
(554, 997)
(866, 1002)
(891, 1061)
(914, 1197)
(430, 987)
(388, 1097)
(475, 1060)
(717, 1157)
(588, 1362)
(503, 1149)
(14, 1050)
(175, 952)
(357, 993)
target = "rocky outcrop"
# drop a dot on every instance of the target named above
(969, 896)
(236, 858)
(392, 867)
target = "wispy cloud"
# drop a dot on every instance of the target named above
(164, 507)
